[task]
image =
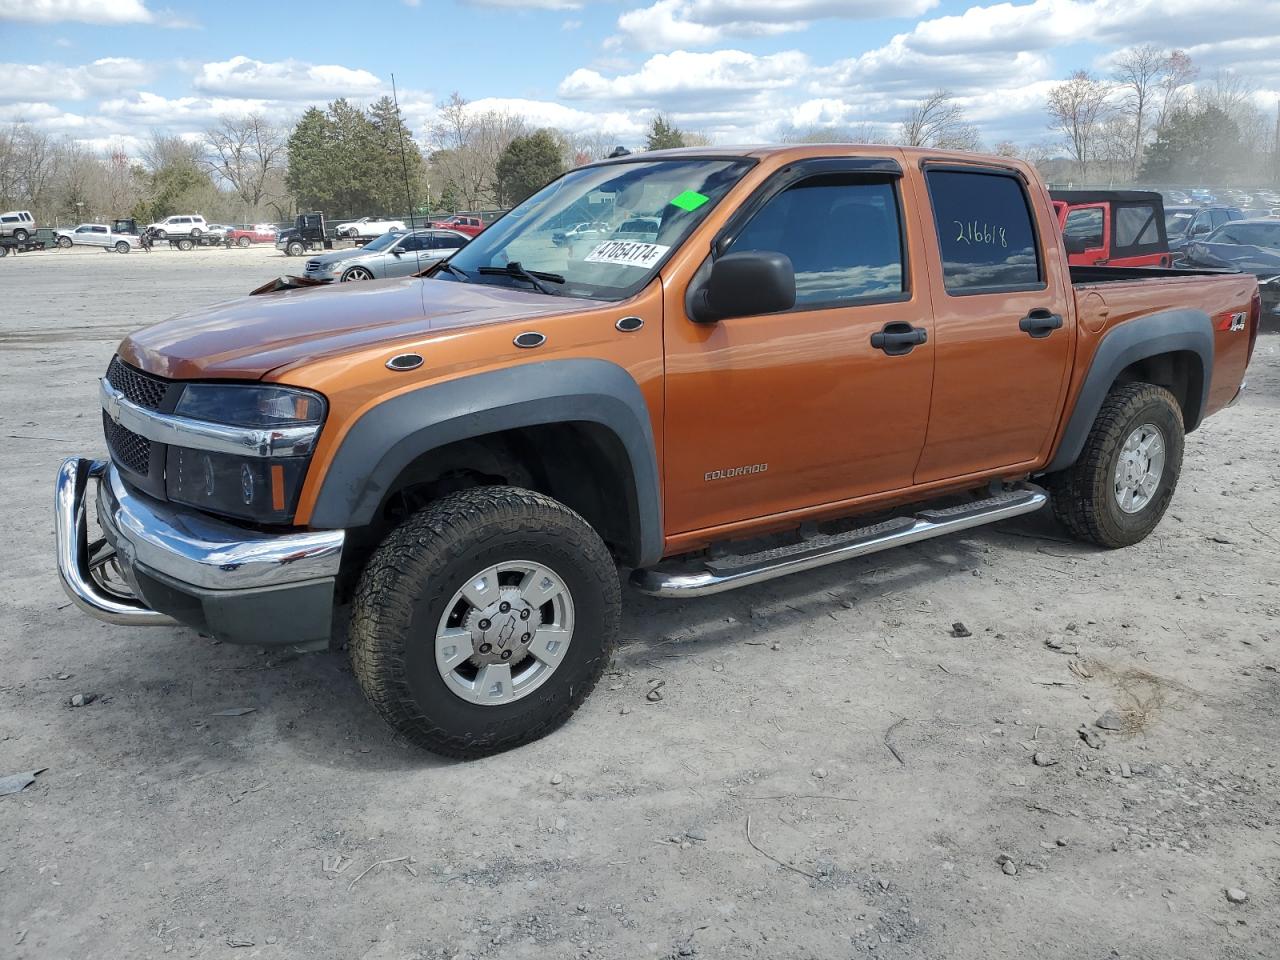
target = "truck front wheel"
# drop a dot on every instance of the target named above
(483, 621)
(1121, 485)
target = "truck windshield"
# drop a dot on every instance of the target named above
(598, 232)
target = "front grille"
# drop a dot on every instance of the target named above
(137, 387)
(127, 448)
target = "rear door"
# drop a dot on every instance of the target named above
(1001, 307)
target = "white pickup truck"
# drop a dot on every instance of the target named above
(368, 227)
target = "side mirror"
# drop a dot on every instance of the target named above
(745, 284)
(1076, 244)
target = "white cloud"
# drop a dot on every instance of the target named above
(283, 80)
(548, 113)
(528, 4)
(107, 12)
(695, 23)
(53, 81)
(81, 11)
(691, 80)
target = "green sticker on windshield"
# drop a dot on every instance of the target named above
(690, 200)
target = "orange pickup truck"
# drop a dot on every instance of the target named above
(788, 357)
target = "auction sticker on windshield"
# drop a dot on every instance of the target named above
(627, 253)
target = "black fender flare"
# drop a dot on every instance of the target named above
(393, 434)
(1166, 331)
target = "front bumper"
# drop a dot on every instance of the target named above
(182, 566)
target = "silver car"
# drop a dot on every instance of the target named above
(96, 235)
(394, 254)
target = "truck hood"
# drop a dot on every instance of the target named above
(245, 339)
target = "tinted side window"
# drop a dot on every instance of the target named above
(985, 231)
(842, 234)
(1085, 225)
(1136, 226)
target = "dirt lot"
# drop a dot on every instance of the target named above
(831, 772)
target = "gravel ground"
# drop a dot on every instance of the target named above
(831, 772)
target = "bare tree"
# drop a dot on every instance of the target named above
(1139, 71)
(938, 121)
(1176, 77)
(250, 153)
(466, 147)
(162, 150)
(1077, 107)
(1228, 91)
(862, 133)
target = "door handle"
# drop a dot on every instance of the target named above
(899, 338)
(1039, 323)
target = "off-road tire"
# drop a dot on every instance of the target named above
(413, 574)
(1083, 495)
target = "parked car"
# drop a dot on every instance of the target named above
(258, 233)
(367, 227)
(638, 228)
(462, 222)
(192, 225)
(1250, 246)
(19, 224)
(395, 254)
(218, 230)
(580, 232)
(1177, 196)
(1184, 224)
(1202, 196)
(97, 235)
(469, 457)
(1123, 228)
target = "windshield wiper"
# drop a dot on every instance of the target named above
(533, 277)
(446, 265)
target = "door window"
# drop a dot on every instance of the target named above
(986, 233)
(1086, 226)
(843, 235)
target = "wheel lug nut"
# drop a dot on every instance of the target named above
(484, 624)
(506, 654)
(524, 614)
(503, 607)
(526, 638)
(486, 647)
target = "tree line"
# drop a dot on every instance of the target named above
(1152, 120)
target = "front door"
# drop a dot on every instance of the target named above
(1086, 229)
(1002, 324)
(778, 412)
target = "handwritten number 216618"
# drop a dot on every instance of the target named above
(977, 232)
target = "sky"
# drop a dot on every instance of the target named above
(109, 72)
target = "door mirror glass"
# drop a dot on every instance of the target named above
(746, 284)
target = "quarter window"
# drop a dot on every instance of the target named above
(1136, 226)
(985, 232)
(843, 236)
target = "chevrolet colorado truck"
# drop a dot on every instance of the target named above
(816, 353)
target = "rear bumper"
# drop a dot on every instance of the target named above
(182, 566)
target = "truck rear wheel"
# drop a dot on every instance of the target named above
(483, 621)
(1122, 482)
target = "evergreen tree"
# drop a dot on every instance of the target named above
(527, 165)
(1194, 145)
(663, 134)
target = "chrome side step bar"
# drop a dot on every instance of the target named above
(728, 573)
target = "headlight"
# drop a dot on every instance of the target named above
(262, 489)
(240, 405)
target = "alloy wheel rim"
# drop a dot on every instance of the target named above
(1139, 468)
(358, 273)
(504, 633)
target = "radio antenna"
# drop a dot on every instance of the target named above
(404, 165)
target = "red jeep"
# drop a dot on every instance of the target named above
(1117, 228)
(462, 222)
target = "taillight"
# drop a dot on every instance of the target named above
(1255, 322)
